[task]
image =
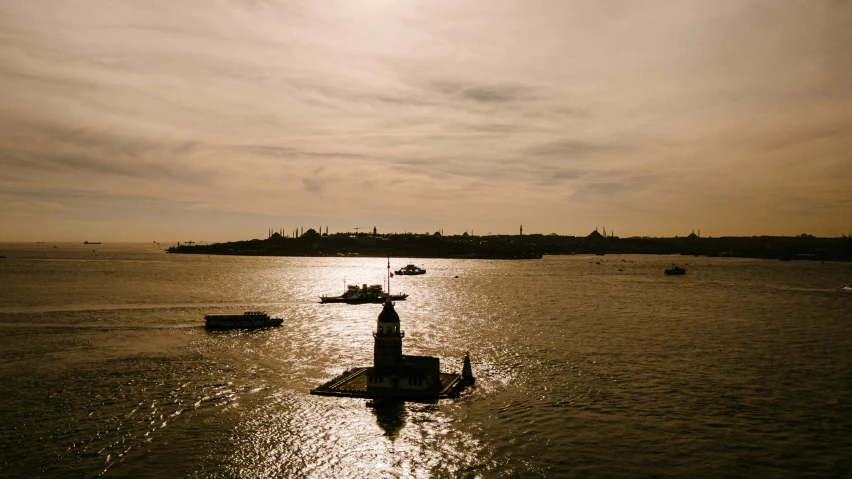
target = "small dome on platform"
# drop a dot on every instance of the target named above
(388, 314)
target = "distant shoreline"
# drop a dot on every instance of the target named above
(312, 244)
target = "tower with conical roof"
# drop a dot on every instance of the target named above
(387, 350)
(394, 375)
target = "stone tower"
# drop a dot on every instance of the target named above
(388, 346)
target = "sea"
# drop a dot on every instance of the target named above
(585, 366)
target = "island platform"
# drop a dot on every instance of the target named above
(353, 384)
(396, 376)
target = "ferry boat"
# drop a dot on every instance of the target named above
(363, 294)
(247, 320)
(410, 270)
(675, 270)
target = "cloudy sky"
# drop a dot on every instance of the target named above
(213, 120)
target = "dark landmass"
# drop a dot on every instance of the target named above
(533, 246)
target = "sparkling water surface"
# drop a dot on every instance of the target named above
(740, 368)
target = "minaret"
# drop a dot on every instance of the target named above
(522, 230)
(388, 346)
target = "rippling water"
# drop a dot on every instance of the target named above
(739, 368)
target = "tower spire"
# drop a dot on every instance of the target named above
(387, 350)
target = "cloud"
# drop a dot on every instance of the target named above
(576, 148)
(317, 181)
(83, 151)
(482, 92)
(601, 190)
(572, 110)
(283, 152)
(11, 207)
(802, 136)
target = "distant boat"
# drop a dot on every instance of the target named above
(247, 320)
(410, 270)
(363, 294)
(846, 287)
(91, 242)
(675, 270)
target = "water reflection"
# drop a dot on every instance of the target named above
(287, 434)
(121, 374)
(390, 416)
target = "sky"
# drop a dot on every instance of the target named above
(216, 120)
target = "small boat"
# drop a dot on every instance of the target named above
(363, 294)
(410, 270)
(675, 270)
(247, 320)
(91, 242)
(847, 288)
